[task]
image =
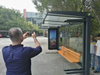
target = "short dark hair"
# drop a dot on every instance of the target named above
(15, 33)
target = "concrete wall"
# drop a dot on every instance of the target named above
(77, 43)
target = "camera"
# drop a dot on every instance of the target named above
(29, 34)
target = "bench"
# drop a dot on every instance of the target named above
(71, 56)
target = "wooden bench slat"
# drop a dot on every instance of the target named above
(71, 51)
(74, 52)
(74, 55)
(70, 55)
(77, 55)
(70, 58)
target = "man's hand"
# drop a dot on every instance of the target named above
(35, 40)
(34, 35)
(25, 35)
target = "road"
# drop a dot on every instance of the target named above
(49, 62)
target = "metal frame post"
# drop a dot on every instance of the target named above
(83, 61)
(87, 46)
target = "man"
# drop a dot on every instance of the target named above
(92, 52)
(98, 55)
(18, 58)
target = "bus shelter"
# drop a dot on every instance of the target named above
(73, 24)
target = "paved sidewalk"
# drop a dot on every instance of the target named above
(49, 62)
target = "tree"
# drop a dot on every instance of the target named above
(93, 7)
(11, 18)
(32, 27)
(57, 5)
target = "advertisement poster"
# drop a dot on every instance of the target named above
(52, 38)
(53, 33)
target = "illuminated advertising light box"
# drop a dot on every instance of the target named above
(53, 38)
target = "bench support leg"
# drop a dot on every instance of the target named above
(81, 71)
(72, 69)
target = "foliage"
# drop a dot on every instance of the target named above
(57, 5)
(95, 27)
(32, 27)
(93, 7)
(41, 31)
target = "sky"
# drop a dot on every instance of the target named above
(19, 5)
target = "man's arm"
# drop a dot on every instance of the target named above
(33, 51)
(38, 49)
(35, 40)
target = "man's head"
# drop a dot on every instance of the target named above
(91, 37)
(16, 35)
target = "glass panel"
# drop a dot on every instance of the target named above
(51, 25)
(71, 37)
(59, 18)
(57, 23)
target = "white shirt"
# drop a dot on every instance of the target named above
(61, 34)
(92, 47)
(98, 48)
